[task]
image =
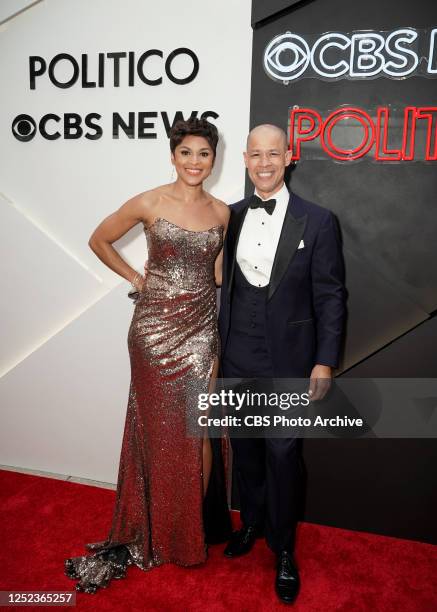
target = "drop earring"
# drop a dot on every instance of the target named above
(172, 173)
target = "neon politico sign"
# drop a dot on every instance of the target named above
(361, 54)
(416, 135)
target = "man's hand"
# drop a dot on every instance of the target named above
(320, 382)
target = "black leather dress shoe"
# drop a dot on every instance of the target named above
(287, 578)
(241, 542)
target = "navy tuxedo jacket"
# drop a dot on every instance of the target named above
(305, 308)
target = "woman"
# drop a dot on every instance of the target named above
(173, 341)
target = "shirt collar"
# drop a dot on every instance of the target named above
(282, 196)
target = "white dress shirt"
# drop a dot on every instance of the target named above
(259, 239)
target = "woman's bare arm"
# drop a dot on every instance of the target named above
(218, 266)
(218, 269)
(113, 227)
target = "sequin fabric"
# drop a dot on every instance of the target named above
(172, 340)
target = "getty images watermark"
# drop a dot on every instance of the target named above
(385, 408)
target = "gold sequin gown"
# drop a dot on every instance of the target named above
(172, 340)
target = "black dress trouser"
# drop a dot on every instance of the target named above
(268, 470)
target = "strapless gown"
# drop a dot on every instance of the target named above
(172, 340)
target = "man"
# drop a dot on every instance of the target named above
(281, 316)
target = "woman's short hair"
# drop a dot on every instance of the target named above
(193, 127)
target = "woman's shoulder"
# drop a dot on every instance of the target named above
(221, 208)
(147, 201)
(153, 195)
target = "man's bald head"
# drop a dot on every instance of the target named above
(269, 130)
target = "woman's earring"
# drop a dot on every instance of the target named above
(172, 173)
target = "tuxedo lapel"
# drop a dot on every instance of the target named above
(234, 230)
(291, 235)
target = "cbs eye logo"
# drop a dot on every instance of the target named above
(24, 128)
(286, 57)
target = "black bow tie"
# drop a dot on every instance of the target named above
(268, 205)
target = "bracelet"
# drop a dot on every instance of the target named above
(135, 278)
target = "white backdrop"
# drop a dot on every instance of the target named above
(64, 316)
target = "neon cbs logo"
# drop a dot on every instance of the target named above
(360, 54)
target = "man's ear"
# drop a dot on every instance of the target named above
(288, 155)
(245, 158)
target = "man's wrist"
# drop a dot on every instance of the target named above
(324, 369)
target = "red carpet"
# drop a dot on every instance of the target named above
(44, 521)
